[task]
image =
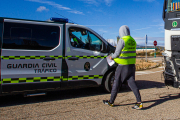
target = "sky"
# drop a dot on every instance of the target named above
(143, 17)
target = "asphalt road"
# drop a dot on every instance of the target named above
(159, 103)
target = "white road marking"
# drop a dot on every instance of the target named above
(147, 72)
(155, 60)
(161, 67)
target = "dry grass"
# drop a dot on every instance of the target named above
(141, 64)
(149, 53)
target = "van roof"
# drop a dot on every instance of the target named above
(48, 21)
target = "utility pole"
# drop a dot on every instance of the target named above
(155, 43)
(146, 47)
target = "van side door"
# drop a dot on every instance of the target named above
(86, 62)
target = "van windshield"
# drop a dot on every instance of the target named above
(173, 5)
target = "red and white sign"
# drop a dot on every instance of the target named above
(155, 43)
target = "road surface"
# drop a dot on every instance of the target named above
(86, 104)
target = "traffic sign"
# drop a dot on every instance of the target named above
(146, 39)
(155, 43)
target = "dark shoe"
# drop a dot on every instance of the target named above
(138, 106)
(108, 103)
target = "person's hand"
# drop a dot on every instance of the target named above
(110, 58)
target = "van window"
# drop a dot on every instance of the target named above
(95, 42)
(84, 39)
(30, 36)
(22, 33)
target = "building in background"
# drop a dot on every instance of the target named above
(112, 42)
(139, 48)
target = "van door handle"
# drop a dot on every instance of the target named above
(49, 58)
(73, 58)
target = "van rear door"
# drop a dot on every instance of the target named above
(31, 55)
(1, 33)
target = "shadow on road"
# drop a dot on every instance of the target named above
(162, 100)
(14, 100)
(157, 101)
(144, 84)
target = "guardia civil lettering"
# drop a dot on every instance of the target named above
(31, 65)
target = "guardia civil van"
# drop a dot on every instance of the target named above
(38, 56)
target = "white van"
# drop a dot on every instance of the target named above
(39, 56)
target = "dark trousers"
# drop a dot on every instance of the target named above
(125, 73)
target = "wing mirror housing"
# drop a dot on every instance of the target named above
(105, 48)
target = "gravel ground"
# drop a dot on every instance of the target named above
(83, 104)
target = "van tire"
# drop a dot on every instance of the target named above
(109, 81)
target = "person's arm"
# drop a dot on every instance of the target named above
(119, 48)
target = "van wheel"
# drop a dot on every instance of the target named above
(109, 81)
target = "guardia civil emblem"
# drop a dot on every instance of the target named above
(131, 42)
(87, 66)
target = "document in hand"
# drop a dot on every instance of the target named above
(110, 62)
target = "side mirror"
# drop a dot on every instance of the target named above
(105, 48)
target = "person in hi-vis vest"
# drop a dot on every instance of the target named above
(74, 41)
(125, 56)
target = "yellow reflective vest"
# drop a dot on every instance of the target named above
(75, 40)
(128, 53)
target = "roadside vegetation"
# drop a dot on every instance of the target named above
(150, 53)
(142, 64)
